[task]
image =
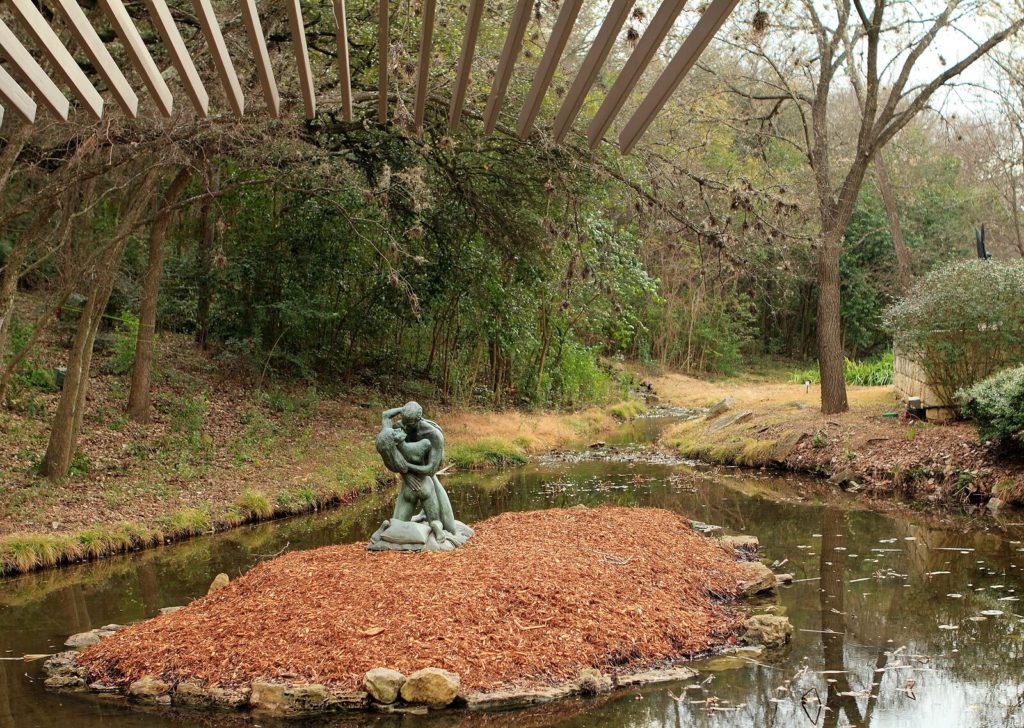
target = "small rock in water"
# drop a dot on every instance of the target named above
(170, 610)
(770, 630)
(784, 578)
(219, 582)
(757, 578)
(432, 687)
(383, 684)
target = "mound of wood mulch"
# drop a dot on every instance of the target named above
(531, 599)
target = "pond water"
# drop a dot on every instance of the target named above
(900, 622)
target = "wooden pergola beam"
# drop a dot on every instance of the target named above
(634, 68)
(258, 44)
(344, 71)
(462, 73)
(86, 37)
(215, 41)
(509, 54)
(684, 59)
(160, 14)
(548, 63)
(383, 58)
(302, 57)
(14, 96)
(62, 61)
(32, 73)
(591, 66)
(423, 72)
(135, 47)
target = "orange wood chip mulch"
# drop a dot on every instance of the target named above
(531, 599)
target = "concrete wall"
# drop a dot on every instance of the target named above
(910, 380)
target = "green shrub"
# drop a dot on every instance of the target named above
(122, 357)
(31, 373)
(962, 323)
(997, 406)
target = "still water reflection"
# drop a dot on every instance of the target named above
(887, 610)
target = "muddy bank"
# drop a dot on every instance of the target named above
(865, 450)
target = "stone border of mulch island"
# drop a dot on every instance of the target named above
(140, 679)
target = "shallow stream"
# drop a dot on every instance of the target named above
(900, 622)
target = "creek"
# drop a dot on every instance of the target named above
(901, 620)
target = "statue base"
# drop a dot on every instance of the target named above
(417, 535)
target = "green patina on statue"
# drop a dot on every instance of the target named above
(422, 519)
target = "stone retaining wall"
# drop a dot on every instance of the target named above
(910, 380)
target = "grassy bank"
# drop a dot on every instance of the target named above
(778, 425)
(217, 455)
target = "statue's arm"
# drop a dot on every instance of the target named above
(436, 439)
(388, 415)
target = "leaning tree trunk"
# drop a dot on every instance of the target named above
(905, 275)
(67, 422)
(830, 327)
(142, 366)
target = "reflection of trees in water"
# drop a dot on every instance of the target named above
(839, 701)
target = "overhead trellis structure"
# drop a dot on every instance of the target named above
(39, 24)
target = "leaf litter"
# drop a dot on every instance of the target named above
(530, 600)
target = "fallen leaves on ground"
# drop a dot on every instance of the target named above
(531, 599)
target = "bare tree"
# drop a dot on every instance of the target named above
(142, 367)
(67, 422)
(893, 46)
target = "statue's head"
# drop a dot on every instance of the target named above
(398, 433)
(412, 413)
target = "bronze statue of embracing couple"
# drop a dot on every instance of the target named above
(413, 447)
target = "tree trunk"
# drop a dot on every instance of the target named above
(67, 422)
(830, 327)
(142, 367)
(204, 261)
(905, 275)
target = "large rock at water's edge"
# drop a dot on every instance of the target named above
(431, 686)
(219, 582)
(769, 630)
(197, 696)
(63, 671)
(279, 699)
(719, 407)
(755, 578)
(732, 419)
(84, 639)
(590, 681)
(383, 684)
(149, 689)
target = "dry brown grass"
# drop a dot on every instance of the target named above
(534, 431)
(692, 392)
